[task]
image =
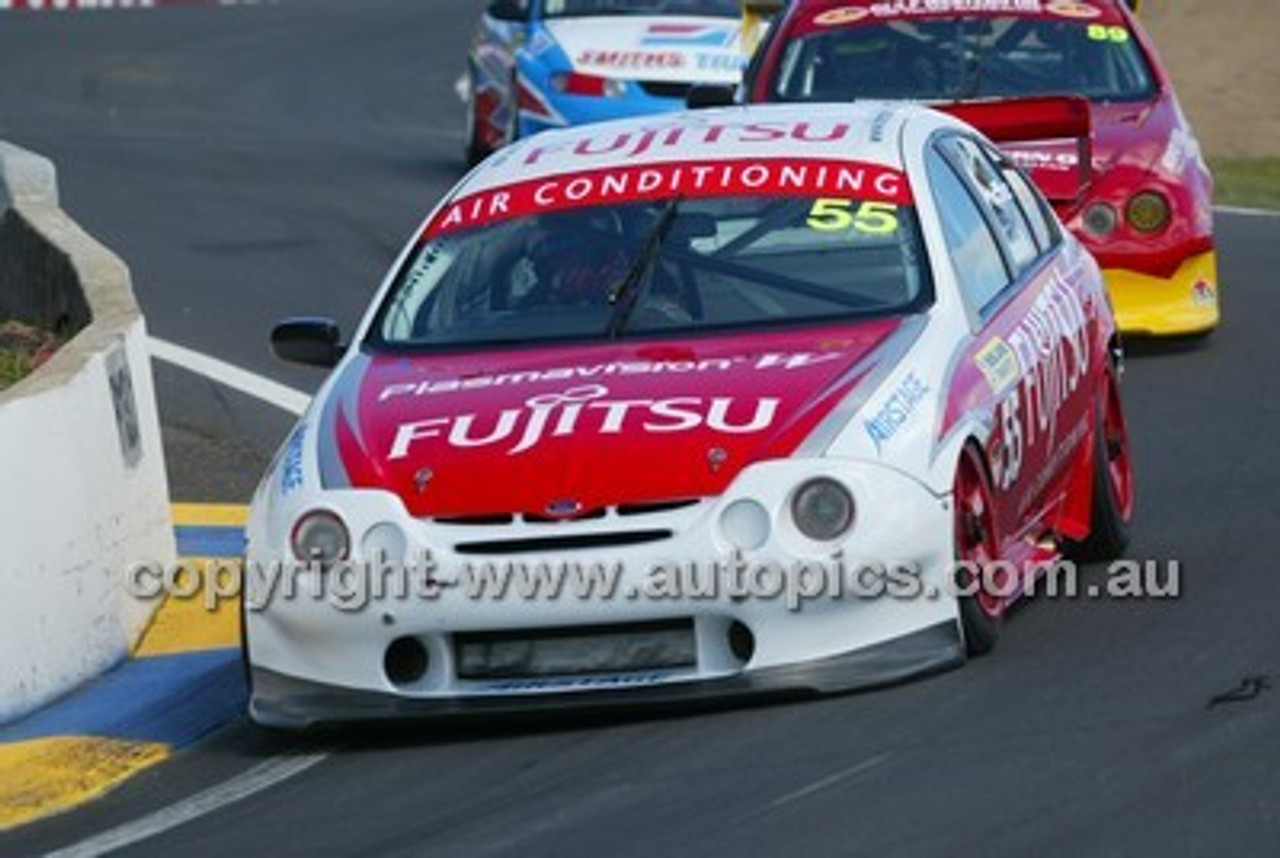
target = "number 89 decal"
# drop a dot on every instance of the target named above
(869, 218)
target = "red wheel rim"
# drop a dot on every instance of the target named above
(975, 534)
(1116, 444)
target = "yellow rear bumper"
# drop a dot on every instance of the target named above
(1186, 303)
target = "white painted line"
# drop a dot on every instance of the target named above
(257, 386)
(262, 776)
(829, 780)
(1237, 210)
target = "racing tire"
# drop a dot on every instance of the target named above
(1112, 506)
(976, 548)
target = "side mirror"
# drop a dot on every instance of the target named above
(702, 95)
(311, 341)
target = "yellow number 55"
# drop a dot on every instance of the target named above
(871, 218)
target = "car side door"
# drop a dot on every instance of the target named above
(1030, 327)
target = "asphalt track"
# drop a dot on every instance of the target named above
(259, 161)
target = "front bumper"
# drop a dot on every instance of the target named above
(1185, 303)
(316, 659)
(286, 702)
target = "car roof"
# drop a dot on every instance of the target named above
(866, 132)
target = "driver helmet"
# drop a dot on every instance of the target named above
(575, 264)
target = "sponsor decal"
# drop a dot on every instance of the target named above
(630, 60)
(291, 473)
(620, 680)
(843, 15)
(897, 410)
(687, 35)
(625, 184)
(909, 8)
(724, 62)
(682, 141)
(1052, 347)
(586, 410)
(1073, 9)
(1053, 466)
(80, 5)
(999, 364)
(99, 5)
(768, 361)
(1039, 159)
(1203, 294)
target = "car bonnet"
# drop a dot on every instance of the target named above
(584, 427)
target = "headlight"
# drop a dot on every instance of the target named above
(321, 536)
(1100, 219)
(823, 509)
(576, 83)
(1148, 211)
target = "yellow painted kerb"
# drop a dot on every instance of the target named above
(207, 620)
(210, 514)
(45, 776)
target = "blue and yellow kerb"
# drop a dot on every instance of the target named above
(183, 680)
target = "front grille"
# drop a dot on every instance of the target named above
(653, 507)
(478, 520)
(576, 650)
(629, 509)
(581, 541)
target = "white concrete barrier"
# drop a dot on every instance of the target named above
(83, 487)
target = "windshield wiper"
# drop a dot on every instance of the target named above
(624, 294)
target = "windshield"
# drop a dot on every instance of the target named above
(956, 58)
(572, 8)
(663, 266)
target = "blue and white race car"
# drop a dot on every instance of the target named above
(538, 64)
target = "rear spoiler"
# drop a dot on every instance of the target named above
(1027, 120)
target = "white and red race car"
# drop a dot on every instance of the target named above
(763, 398)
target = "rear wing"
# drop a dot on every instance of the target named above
(1048, 120)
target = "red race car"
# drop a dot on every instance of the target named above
(774, 398)
(1134, 188)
